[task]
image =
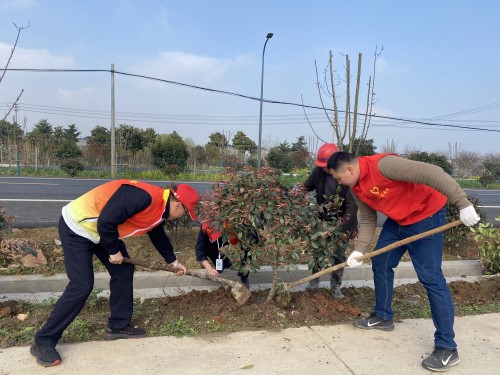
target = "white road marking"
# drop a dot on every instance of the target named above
(28, 183)
(35, 200)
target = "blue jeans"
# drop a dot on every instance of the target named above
(426, 255)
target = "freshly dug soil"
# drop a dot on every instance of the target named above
(183, 241)
(200, 312)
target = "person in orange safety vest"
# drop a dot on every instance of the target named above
(95, 224)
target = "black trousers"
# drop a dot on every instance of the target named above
(212, 252)
(78, 253)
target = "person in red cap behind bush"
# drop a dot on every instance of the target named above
(321, 181)
(95, 223)
(208, 247)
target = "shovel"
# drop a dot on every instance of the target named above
(239, 291)
(384, 249)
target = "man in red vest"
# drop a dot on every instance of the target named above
(412, 195)
(95, 223)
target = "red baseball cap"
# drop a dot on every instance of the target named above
(324, 153)
(189, 198)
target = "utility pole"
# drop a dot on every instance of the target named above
(259, 152)
(15, 141)
(113, 152)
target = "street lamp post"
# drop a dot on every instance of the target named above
(259, 155)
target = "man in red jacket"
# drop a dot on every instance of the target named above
(413, 196)
(95, 223)
(208, 246)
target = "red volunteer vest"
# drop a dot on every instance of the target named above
(404, 202)
(213, 236)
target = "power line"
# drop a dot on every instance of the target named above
(288, 119)
(406, 120)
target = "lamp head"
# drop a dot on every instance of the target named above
(269, 35)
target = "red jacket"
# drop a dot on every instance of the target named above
(213, 236)
(404, 202)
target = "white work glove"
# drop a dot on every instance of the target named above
(469, 216)
(352, 262)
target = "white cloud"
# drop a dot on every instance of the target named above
(387, 67)
(383, 111)
(35, 58)
(83, 93)
(189, 68)
(18, 4)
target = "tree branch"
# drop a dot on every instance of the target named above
(19, 29)
(320, 98)
(13, 105)
(335, 109)
(307, 118)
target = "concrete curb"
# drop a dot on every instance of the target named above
(152, 284)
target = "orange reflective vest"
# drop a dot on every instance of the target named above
(82, 214)
(404, 202)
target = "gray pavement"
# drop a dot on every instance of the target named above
(337, 349)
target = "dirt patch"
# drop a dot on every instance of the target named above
(47, 240)
(200, 312)
(141, 248)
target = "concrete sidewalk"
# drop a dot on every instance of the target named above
(338, 349)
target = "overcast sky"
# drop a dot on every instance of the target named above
(439, 64)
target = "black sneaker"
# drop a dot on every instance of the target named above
(441, 360)
(128, 332)
(45, 355)
(374, 322)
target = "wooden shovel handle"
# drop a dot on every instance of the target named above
(410, 239)
(239, 291)
(137, 262)
(376, 252)
(190, 272)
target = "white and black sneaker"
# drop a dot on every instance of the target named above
(374, 322)
(441, 360)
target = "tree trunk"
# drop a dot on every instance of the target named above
(272, 292)
(356, 97)
(347, 124)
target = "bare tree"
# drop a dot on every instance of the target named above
(269, 142)
(344, 135)
(465, 164)
(19, 30)
(391, 147)
(409, 150)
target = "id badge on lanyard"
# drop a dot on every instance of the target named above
(219, 264)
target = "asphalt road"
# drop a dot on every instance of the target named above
(37, 201)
